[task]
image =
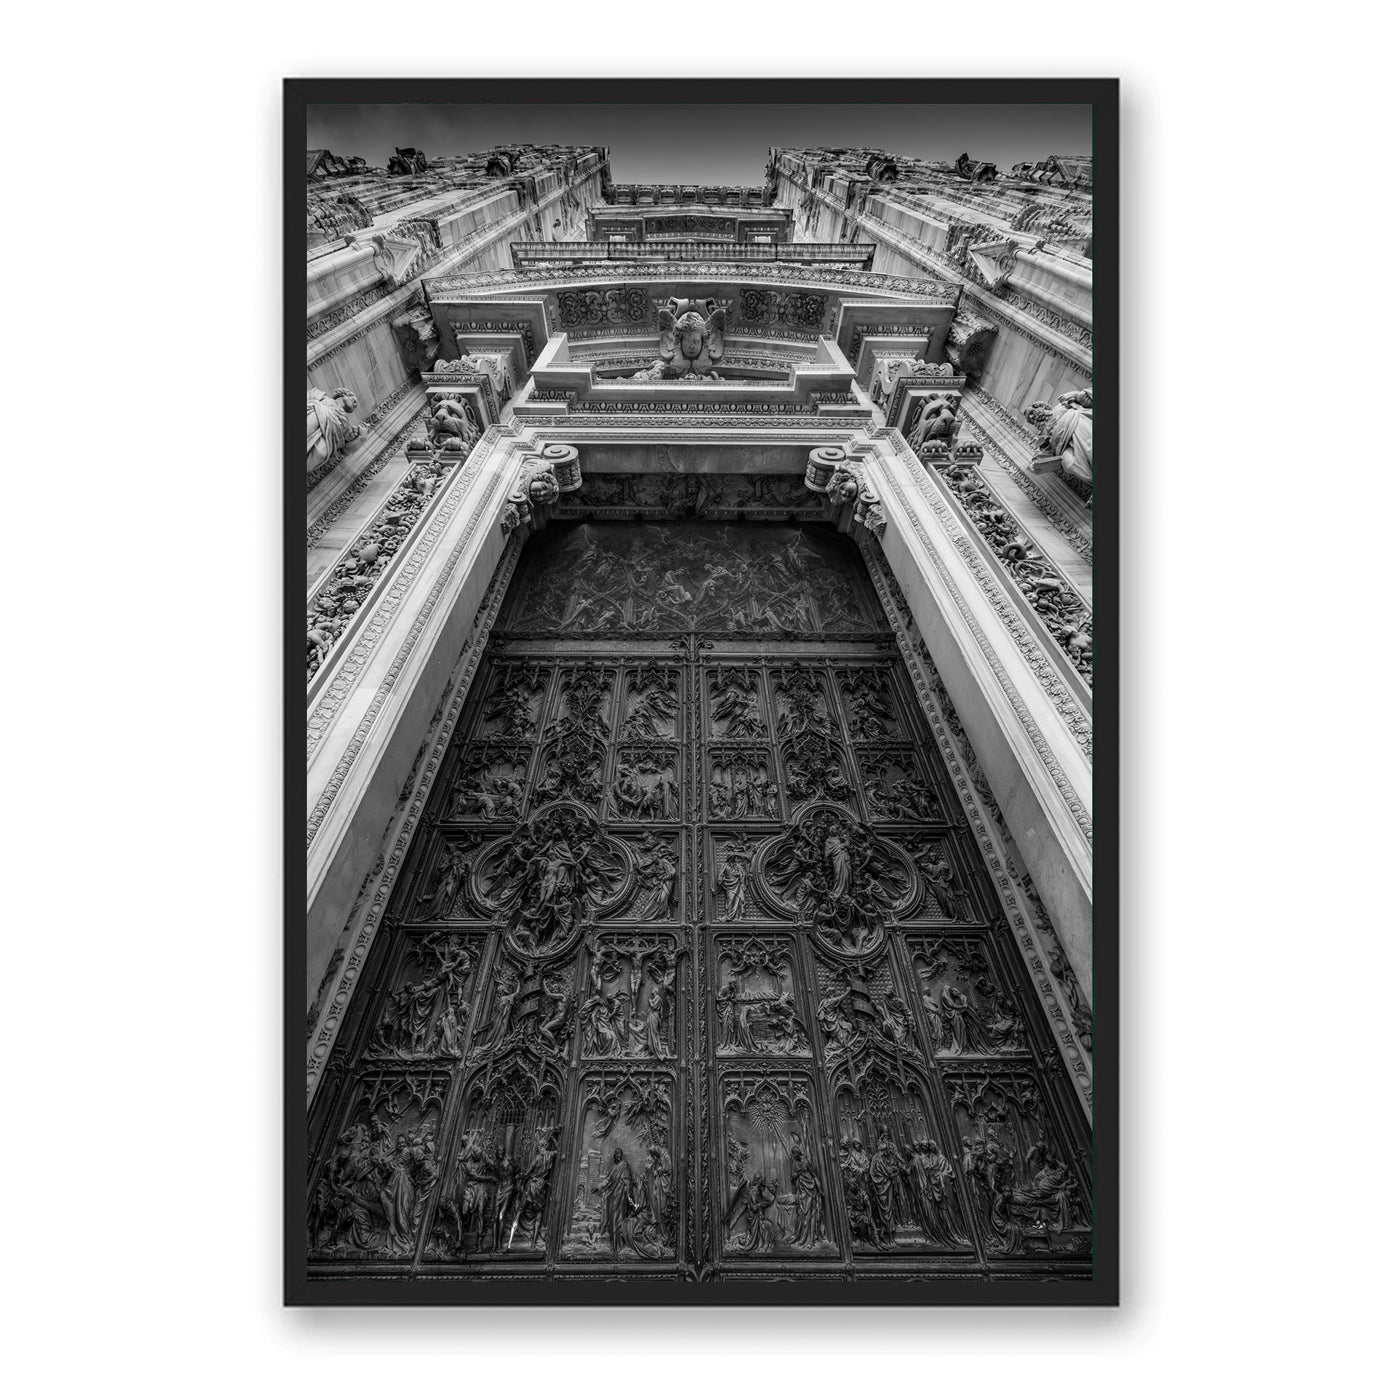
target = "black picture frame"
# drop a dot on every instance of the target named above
(1102, 94)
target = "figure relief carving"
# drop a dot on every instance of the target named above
(513, 711)
(966, 1010)
(496, 1196)
(775, 1201)
(551, 874)
(370, 1196)
(427, 1017)
(895, 790)
(624, 1202)
(735, 858)
(328, 426)
(652, 706)
(802, 705)
(841, 880)
(447, 891)
(1067, 435)
(755, 1006)
(629, 1012)
(644, 787)
(869, 713)
(816, 770)
(490, 787)
(1027, 1197)
(735, 709)
(741, 785)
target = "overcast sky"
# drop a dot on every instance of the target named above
(719, 143)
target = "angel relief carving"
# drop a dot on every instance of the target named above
(692, 338)
(775, 1201)
(802, 705)
(512, 711)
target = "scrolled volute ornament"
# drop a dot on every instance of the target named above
(563, 461)
(866, 502)
(517, 512)
(821, 463)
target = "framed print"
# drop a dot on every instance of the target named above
(698, 581)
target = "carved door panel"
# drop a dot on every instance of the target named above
(694, 968)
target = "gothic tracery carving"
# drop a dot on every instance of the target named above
(784, 1087)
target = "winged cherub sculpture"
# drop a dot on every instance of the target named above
(692, 338)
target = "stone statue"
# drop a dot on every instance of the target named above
(407, 160)
(692, 338)
(328, 425)
(1068, 432)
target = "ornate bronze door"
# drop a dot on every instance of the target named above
(694, 968)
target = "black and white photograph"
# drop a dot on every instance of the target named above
(789, 791)
(699, 592)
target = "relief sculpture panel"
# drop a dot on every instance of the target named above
(695, 969)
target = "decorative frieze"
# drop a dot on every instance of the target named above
(1056, 603)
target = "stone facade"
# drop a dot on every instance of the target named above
(699, 742)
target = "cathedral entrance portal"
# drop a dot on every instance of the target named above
(694, 968)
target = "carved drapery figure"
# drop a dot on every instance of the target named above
(328, 425)
(748, 1225)
(733, 882)
(627, 1214)
(932, 1185)
(656, 875)
(450, 882)
(736, 708)
(1068, 430)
